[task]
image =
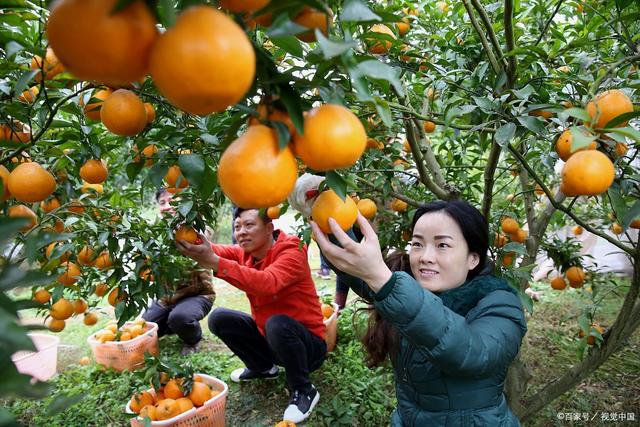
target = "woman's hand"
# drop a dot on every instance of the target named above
(200, 252)
(363, 260)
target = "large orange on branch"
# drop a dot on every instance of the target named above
(380, 46)
(4, 177)
(94, 43)
(563, 145)
(334, 138)
(92, 109)
(94, 171)
(329, 205)
(205, 63)
(608, 105)
(123, 113)
(254, 172)
(30, 183)
(587, 173)
(51, 66)
(22, 211)
(312, 19)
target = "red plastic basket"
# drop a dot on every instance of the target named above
(121, 355)
(211, 414)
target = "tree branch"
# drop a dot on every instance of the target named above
(492, 34)
(511, 43)
(548, 23)
(489, 175)
(483, 39)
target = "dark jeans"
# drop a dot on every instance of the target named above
(288, 343)
(182, 318)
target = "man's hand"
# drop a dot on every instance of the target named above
(200, 252)
(363, 260)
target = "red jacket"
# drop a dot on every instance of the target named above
(280, 283)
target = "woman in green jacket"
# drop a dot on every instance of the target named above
(450, 329)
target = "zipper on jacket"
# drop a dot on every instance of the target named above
(405, 363)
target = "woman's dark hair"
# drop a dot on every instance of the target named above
(381, 339)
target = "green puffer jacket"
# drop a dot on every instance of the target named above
(450, 370)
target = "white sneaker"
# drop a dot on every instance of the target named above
(246, 374)
(301, 405)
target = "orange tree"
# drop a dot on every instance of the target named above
(469, 99)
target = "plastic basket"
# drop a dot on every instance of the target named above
(331, 334)
(41, 365)
(121, 355)
(211, 414)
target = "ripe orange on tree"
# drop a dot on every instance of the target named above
(563, 145)
(42, 296)
(403, 26)
(116, 296)
(96, 44)
(616, 228)
(273, 212)
(577, 230)
(558, 283)
(30, 94)
(174, 178)
(399, 205)
(51, 66)
(378, 46)
(21, 211)
(123, 113)
(30, 182)
(334, 138)
(507, 259)
(56, 325)
(607, 106)
(254, 172)
(103, 261)
(200, 393)
(101, 289)
(285, 423)
(70, 275)
(85, 256)
(429, 126)
(187, 234)
(587, 173)
(94, 171)
(80, 306)
(519, 236)
(50, 205)
(92, 109)
(270, 113)
(329, 204)
(367, 208)
(61, 309)
(76, 207)
(147, 153)
(4, 176)
(151, 112)
(575, 275)
(591, 339)
(49, 251)
(509, 225)
(621, 149)
(90, 318)
(204, 63)
(312, 19)
(500, 240)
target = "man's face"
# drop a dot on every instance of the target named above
(251, 232)
(164, 204)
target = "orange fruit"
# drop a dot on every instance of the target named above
(563, 145)
(519, 236)
(616, 228)
(30, 94)
(272, 114)
(558, 283)
(507, 259)
(500, 240)
(327, 310)
(148, 153)
(367, 208)
(204, 63)
(334, 138)
(151, 112)
(509, 225)
(61, 309)
(125, 336)
(86, 187)
(174, 178)
(70, 275)
(399, 205)
(429, 126)
(285, 423)
(184, 403)
(42, 296)
(49, 251)
(380, 46)
(85, 256)
(186, 233)
(575, 276)
(329, 204)
(541, 113)
(587, 173)
(200, 393)
(76, 207)
(56, 325)
(621, 149)
(94, 171)
(30, 182)
(106, 336)
(273, 212)
(607, 106)
(173, 389)
(254, 172)
(406, 146)
(136, 330)
(80, 306)
(403, 26)
(50, 205)
(116, 296)
(21, 211)
(101, 289)
(591, 339)
(312, 19)
(442, 6)
(577, 230)
(149, 411)
(167, 408)
(90, 318)
(375, 144)
(4, 176)
(103, 261)
(92, 109)
(635, 223)
(84, 361)
(94, 43)
(52, 66)
(237, 6)
(123, 113)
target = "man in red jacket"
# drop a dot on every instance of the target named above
(285, 327)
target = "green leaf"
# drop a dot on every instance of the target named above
(185, 207)
(283, 26)
(192, 167)
(515, 247)
(357, 11)
(282, 131)
(629, 132)
(23, 81)
(533, 124)
(12, 48)
(377, 70)
(580, 139)
(331, 49)
(337, 184)
(9, 227)
(166, 13)
(62, 402)
(157, 173)
(133, 170)
(209, 181)
(292, 102)
(485, 104)
(505, 133)
(578, 113)
(290, 44)
(631, 215)
(622, 118)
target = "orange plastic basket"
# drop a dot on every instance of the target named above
(41, 364)
(211, 414)
(121, 355)
(331, 334)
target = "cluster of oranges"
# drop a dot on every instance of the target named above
(127, 332)
(171, 399)
(511, 228)
(63, 309)
(574, 275)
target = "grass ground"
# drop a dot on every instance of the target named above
(351, 394)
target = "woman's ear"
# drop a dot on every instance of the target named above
(473, 260)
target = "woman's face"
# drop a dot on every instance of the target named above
(439, 255)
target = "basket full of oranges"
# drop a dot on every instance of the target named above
(200, 401)
(124, 348)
